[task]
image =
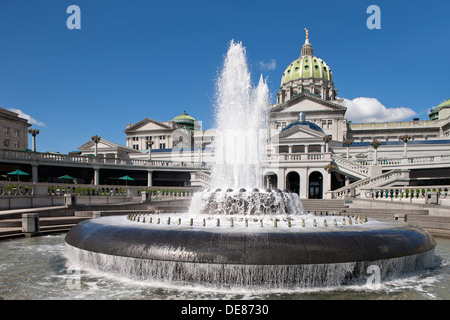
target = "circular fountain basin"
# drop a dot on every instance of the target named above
(250, 255)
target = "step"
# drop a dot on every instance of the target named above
(439, 233)
(43, 221)
(390, 211)
(43, 212)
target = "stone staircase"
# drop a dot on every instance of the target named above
(352, 168)
(324, 205)
(397, 176)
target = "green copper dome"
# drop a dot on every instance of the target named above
(441, 111)
(446, 103)
(307, 67)
(186, 121)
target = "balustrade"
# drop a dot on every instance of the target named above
(404, 193)
(353, 165)
(8, 188)
(64, 158)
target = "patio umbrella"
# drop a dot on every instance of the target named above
(66, 177)
(126, 178)
(18, 173)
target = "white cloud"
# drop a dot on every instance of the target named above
(364, 109)
(268, 66)
(28, 117)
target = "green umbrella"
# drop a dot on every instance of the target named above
(66, 177)
(18, 173)
(126, 178)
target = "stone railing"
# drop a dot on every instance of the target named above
(407, 193)
(407, 161)
(201, 179)
(312, 156)
(351, 165)
(74, 159)
(17, 189)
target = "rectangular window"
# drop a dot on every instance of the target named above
(162, 145)
(281, 125)
(330, 124)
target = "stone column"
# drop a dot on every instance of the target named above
(149, 178)
(281, 183)
(34, 173)
(303, 172)
(326, 184)
(96, 176)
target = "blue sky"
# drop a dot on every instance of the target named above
(136, 59)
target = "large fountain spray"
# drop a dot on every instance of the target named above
(240, 122)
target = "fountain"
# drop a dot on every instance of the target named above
(239, 234)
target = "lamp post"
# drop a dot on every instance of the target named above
(405, 138)
(96, 140)
(34, 133)
(327, 139)
(150, 144)
(348, 143)
(330, 167)
(375, 144)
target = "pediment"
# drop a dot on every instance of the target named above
(102, 145)
(307, 106)
(308, 103)
(301, 132)
(148, 125)
(153, 126)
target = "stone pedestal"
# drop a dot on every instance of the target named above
(96, 214)
(145, 196)
(132, 192)
(30, 223)
(69, 200)
(432, 197)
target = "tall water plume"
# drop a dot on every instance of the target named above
(239, 120)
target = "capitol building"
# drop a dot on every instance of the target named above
(313, 148)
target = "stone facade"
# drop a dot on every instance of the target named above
(13, 131)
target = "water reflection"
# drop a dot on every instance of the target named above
(36, 268)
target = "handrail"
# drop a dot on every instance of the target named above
(352, 165)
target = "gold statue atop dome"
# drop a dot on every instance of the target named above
(307, 33)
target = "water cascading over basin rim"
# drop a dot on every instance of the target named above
(184, 244)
